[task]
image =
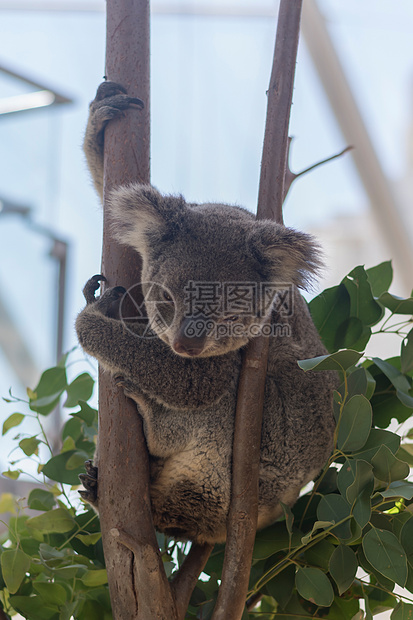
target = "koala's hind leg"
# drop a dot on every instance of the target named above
(90, 483)
(110, 102)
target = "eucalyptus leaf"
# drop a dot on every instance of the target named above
(385, 553)
(336, 361)
(314, 586)
(380, 277)
(51, 386)
(39, 499)
(362, 303)
(81, 388)
(94, 578)
(335, 508)
(51, 593)
(355, 424)
(406, 540)
(397, 305)
(343, 567)
(329, 310)
(387, 467)
(403, 611)
(58, 520)
(13, 420)
(14, 566)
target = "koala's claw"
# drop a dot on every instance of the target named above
(91, 287)
(90, 483)
(110, 102)
(127, 385)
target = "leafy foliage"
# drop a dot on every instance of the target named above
(358, 515)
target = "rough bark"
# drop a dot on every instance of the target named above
(247, 438)
(124, 501)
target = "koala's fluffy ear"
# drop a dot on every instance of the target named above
(139, 213)
(285, 254)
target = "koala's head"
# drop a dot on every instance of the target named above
(211, 272)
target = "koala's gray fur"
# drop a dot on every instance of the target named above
(186, 388)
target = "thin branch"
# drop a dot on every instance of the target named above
(242, 520)
(290, 176)
(186, 578)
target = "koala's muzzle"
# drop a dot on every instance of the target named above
(191, 337)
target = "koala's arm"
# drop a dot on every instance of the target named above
(110, 102)
(152, 366)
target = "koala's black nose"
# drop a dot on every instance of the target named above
(191, 337)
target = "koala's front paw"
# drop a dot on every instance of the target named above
(90, 483)
(109, 303)
(110, 102)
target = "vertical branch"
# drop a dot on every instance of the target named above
(242, 521)
(137, 582)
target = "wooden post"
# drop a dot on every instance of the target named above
(242, 520)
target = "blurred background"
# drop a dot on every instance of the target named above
(211, 63)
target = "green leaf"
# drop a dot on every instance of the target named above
(336, 361)
(353, 477)
(87, 414)
(349, 333)
(335, 508)
(380, 277)
(14, 565)
(281, 587)
(355, 424)
(33, 607)
(29, 445)
(403, 611)
(397, 305)
(329, 310)
(406, 357)
(357, 382)
(89, 539)
(52, 384)
(343, 567)
(399, 381)
(39, 499)
(13, 420)
(376, 439)
(362, 303)
(7, 503)
(362, 505)
(406, 540)
(319, 555)
(80, 389)
(58, 520)
(55, 469)
(273, 539)
(314, 586)
(53, 594)
(399, 489)
(384, 552)
(95, 578)
(387, 467)
(13, 475)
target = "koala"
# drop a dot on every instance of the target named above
(213, 279)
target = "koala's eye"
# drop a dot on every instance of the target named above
(231, 319)
(167, 296)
